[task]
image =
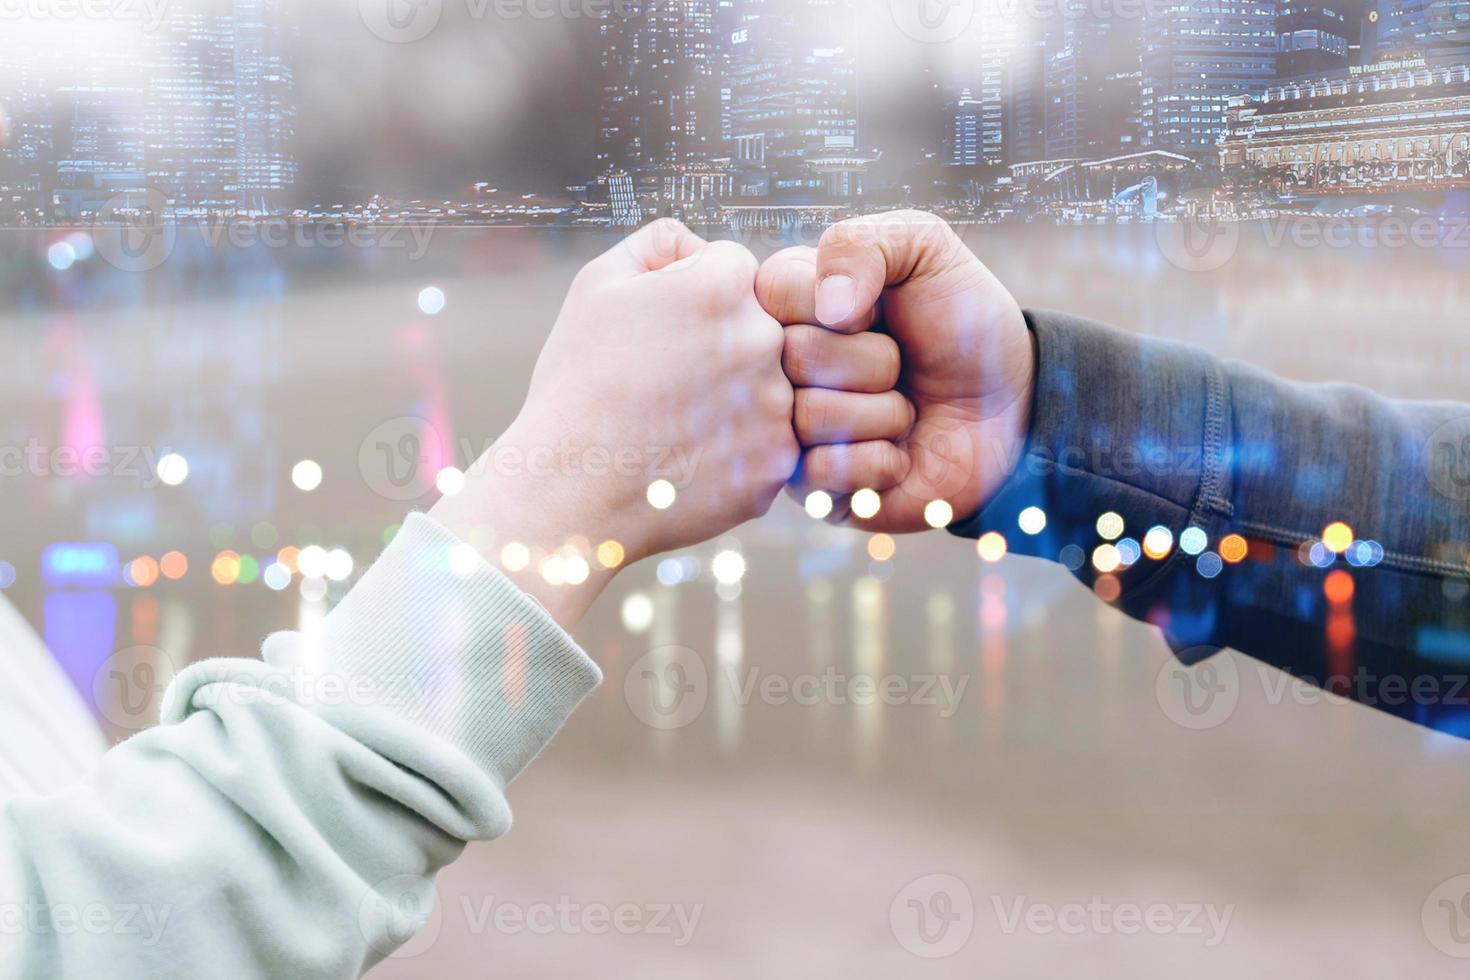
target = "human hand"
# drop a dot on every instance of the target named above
(661, 366)
(913, 365)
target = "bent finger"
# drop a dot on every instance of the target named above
(824, 417)
(815, 357)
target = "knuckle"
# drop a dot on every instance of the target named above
(799, 354)
(903, 413)
(813, 413)
(890, 361)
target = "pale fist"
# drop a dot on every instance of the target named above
(662, 367)
(913, 365)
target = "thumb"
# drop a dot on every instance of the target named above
(651, 248)
(857, 259)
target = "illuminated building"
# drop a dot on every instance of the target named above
(191, 116)
(661, 107)
(265, 108)
(99, 139)
(1025, 100)
(1313, 38)
(1074, 86)
(1125, 181)
(1196, 58)
(962, 145)
(998, 44)
(1402, 125)
(792, 96)
(219, 107)
(1092, 82)
(1438, 29)
(26, 151)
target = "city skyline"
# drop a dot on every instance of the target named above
(714, 102)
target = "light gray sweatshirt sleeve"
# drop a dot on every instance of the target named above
(288, 816)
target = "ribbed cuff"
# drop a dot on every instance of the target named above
(419, 647)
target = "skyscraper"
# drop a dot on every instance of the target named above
(1092, 82)
(792, 84)
(191, 109)
(998, 40)
(1438, 29)
(1025, 102)
(265, 107)
(220, 115)
(1196, 58)
(661, 104)
(1313, 38)
(962, 141)
(26, 139)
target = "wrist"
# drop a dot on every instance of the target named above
(540, 525)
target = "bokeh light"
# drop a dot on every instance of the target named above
(1158, 542)
(61, 256)
(1233, 549)
(431, 300)
(143, 571)
(866, 504)
(728, 567)
(172, 469)
(174, 565)
(991, 547)
(610, 554)
(449, 481)
(661, 494)
(938, 514)
(1110, 526)
(1193, 541)
(882, 547)
(312, 561)
(1032, 521)
(1209, 564)
(276, 576)
(307, 475)
(818, 504)
(1337, 537)
(515, 557)
(1339, 587)
(225, 568)
(637, 613)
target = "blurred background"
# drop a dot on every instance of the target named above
(274, 276)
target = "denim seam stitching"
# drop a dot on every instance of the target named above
(1397, 561)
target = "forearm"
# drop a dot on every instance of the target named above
(1169, 436)
(283, 810)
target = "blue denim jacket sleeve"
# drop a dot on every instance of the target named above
(1168, 436)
